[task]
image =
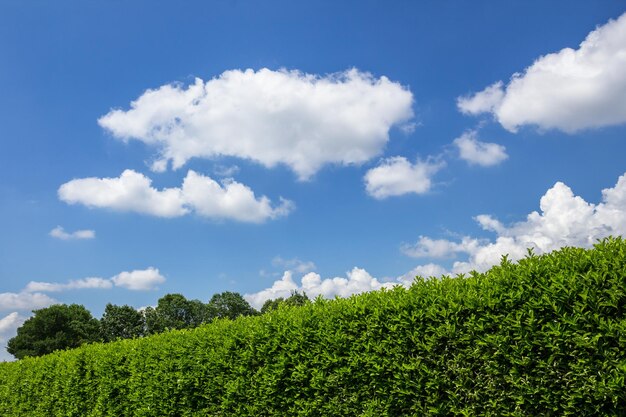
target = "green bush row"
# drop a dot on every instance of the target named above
(546, 336)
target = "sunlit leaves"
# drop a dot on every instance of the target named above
(546, 336)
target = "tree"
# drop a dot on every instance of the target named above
(295, 299)
(174, 311)
(57, 327)
(230, 305)
(121, 322)
(270, 305)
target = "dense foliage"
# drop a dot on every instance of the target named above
(54, 328)
(121, 322)
(543, 337)
(295, 299)
(62, 326)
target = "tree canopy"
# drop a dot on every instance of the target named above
(121, 322)
(64, 326)
(174, 311)
(295, 299)
(57, 327)
(230, 305)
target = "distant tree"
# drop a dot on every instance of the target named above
(174, 311)
(230, 305)
(121, 322)
(57, 327)
(270, 305)
(295, 299)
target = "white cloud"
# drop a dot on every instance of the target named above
(59, 233)
(295, 265)
(231, 200)
(143, 279)
(10, 323)
(285, 117)
(424, 271)
(356, 281)
(139, 280)
(132, 191)
(564, 219)
(570, 90)
(8, 328)
(225, 171)
(397, 176)
(480, 153)
(79, 284)
(482, 102)
(488, 223)
(24, 301)
(426, 247)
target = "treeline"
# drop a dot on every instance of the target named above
(63, 326)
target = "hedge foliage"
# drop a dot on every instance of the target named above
(546, 336)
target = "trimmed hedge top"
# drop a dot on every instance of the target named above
(546, 336)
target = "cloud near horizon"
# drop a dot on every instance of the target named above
(133, 192)
(137, 280)
(564, 219)
(303, 121)
(8, 328)
(569, 90)
(357, 280)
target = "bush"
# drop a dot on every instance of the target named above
(546, 336)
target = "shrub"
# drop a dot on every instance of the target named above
(546, 336)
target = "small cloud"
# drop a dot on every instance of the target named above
(226, 171)
(409, 128)
(295, 265)
(482, 102)
(426, 247)
(79, 284)
(8, 329)
(139, 280)
(59, 233)
(424, 271)
(397, 176)
(480, 153)
(24, 301)
(10, 323)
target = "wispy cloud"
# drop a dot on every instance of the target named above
(59, 233)
(138, 280)
(294, 264)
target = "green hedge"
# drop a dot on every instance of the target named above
(546, 336)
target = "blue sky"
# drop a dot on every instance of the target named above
(149, 147)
